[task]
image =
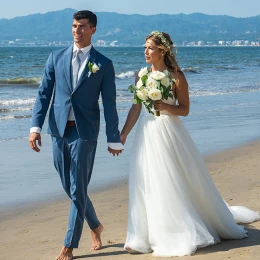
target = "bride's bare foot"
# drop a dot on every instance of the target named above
(65, 254)
(131, 251)
(96, 237)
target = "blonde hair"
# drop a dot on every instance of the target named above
(164, 43)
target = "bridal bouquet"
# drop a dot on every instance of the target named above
(150, 87)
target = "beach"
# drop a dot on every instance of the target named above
(36, 230)
(224, 121)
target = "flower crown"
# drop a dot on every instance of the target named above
(163, 40)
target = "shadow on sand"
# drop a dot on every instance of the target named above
(225, 245)
(117, 252)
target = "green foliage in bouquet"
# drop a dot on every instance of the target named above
(150, 87)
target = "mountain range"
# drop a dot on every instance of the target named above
(132, 29)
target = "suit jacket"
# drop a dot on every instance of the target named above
(56, 88)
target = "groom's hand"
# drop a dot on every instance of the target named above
(114, 152)
(35, 141)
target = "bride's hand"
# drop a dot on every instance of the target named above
(159, 105)
(123, 138)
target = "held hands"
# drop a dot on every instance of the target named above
(117, 152)
(114, 152)
(35, 141)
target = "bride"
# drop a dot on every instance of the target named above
(174, 206)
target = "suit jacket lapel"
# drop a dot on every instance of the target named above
(67, 67)
(92, 59)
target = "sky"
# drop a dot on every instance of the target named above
(235, 8)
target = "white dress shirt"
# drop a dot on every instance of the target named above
(84, 57)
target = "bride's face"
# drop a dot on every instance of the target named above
(152, 53)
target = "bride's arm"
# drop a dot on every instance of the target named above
(182, 95)
(132, 117)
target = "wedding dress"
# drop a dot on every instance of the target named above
(174, 206)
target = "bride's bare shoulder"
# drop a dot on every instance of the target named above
(178, 76)
(175, 74)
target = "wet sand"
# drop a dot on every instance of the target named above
(37, 231)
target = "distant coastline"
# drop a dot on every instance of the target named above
(124, 46)
(121, 30)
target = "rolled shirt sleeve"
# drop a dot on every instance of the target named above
(35, 129)
(116, 146)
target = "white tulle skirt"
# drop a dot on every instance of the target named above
(174, 206)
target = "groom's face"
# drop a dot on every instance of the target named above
(82, 32)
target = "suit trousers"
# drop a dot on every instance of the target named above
(74, 159)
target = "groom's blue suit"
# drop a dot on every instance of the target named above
(74, 147)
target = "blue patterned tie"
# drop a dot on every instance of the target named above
(76, 62)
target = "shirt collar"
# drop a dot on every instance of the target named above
(85, 50)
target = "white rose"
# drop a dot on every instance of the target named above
(165, 81)
(157, 75)
(155, 94)
(95, 68)
(142, 94)
(151, 83)
(166, 72)
(139, 83)
(142, 72)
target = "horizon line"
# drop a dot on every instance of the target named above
(132, 14)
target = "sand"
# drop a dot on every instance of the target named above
(38, 232)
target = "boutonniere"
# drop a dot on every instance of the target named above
(93, 68)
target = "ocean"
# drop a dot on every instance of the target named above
(224, 87)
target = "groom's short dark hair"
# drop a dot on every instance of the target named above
(86, 14)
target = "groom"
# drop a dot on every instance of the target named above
(72, 81)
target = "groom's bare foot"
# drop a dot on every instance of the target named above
(96, 237)
(65, 254)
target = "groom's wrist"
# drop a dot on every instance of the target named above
(35, 129)
(116, 146)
